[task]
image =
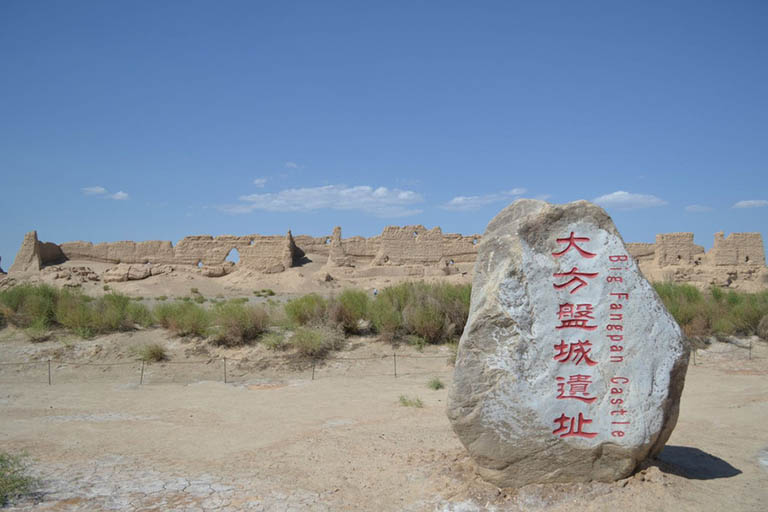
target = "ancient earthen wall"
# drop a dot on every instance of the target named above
(738, 260)
(677, 249)
(737, 249)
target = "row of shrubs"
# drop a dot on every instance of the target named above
(419, 312)
(716, 311)
(434, 313)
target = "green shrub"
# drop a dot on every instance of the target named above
(307, 310)
(38, 332)
(434, 312)
(76, 314)
(238, 323)
(274, 341)
(316, 342)
(14, 480)
(719, 312)
(161, 297)
(435, 383)
(151, 353)
(411, 402)
(350, 309)
(199, 299)
(183, 318)
(427, 319)
(25, 305)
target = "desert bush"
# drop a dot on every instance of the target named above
(762, 328)
(719, 312)
(411, 402)
(434, 312)
(238, 323)
(427, 319)
(14, 480)
(183, 318)
(307, 310)
(274, 341)
(25, 305)
(316, 342)
(150, 353)
(349, 309)
(38, 332)
(435, 383)
(161, 297)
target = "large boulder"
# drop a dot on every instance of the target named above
(569, 368)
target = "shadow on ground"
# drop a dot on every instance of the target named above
(694, 464)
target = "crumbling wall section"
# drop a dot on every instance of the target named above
(737, 249)
(677, 249)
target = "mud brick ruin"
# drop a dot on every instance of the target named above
(737, 261)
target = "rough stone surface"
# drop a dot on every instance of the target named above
(506, 405)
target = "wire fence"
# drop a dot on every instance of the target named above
(227, 370)
(743, 351)
(233, 370)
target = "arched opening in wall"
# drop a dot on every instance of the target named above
(746, 259)
(252, 242)
(327, 241)
(199, 263)
(474, 241)
(679, 257)
(415, 234)
(233, 256)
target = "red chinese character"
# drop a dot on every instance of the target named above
(576, 352)
(571, 241)
(571, 429)
(578, 385)
(570, 319)
(576, 276)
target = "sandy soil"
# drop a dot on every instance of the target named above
(274, 439)
(313, 276)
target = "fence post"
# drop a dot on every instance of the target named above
(141, 379)
(694, 357)
(313, 369)
(225, 370)
(750, 350)
(394, 359)
(49, 372)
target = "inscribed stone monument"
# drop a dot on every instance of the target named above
(570, 369)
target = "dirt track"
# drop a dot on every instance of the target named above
(281, 441)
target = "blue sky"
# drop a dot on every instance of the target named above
(155, 120)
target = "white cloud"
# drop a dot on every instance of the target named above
(102, 192)
(622, 200)
(751, 203)
(94, 191)
(697, 208)
(469, 203)
(260, 182)
(381, 201)
(292, 165)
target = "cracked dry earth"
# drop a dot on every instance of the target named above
(342, 442)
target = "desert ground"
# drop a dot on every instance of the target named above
(272, 438)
